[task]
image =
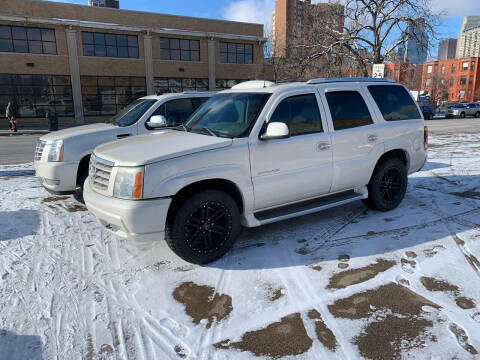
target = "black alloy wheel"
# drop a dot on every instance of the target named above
(477, 114)
(203, 227)
(390, 184)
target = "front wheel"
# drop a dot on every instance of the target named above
(204, 227)
(387, 186)
(477, 114)
(462, 115)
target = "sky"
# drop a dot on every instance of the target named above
(259, 11)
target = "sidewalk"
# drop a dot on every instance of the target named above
(23, 132)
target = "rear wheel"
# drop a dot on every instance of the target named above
(387, 186)
(477, 114)
(204, 227)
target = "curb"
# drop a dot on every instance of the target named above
(20, 133)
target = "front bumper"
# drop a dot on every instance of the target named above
(139, 220)
(57, 176)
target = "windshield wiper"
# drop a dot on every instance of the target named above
(204, 130)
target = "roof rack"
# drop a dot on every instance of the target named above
(353, 79)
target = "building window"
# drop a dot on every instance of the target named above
(429, 69)
(472, 67)
(442, 81)
(109, 45)
(463, 80)
(443, 69)
(236, 53)
(221, 84)
(469, 92)
(435, 68)
(176, 85)
(179, 49)
(37, 94)
(427, 82)
(451, 82)
(21, 39)
(461, 94)
(465, 66)
(396, 74)
(453, 68)
(107, 95)
(470, 80)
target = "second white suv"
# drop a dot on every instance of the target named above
(257, 154)
(62, 157)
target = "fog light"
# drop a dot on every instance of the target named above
(51, 182)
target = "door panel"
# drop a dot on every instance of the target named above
(296, 168)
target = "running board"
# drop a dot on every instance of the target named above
(307, 207)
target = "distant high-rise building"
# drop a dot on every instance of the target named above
(414, 50)
(115, 4)
(468, 44)
(447, 49)
(294, 20)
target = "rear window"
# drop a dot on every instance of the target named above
(394, 102)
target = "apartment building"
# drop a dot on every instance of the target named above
(447, 49)
(453, 80)
(86, 63)
(468, 44)
(294, 22)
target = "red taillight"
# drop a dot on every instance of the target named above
(425, 137)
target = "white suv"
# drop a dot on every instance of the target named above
(62, 157)
(257, 154)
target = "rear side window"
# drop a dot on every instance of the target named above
(394, 102)
(300, 113)
(348, 109)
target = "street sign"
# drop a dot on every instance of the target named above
(378, 71)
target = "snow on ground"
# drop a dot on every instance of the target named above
(345, 283)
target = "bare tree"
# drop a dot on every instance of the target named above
(373, 30)
(437, 89)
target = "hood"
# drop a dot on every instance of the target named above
(77, 131)
(151, 148)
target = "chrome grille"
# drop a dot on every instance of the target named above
(39, 150)
(99, 172)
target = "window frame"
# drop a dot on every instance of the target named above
(41, 42)
(281, 99)
(236, 52)
(107, 45)
(169, 49)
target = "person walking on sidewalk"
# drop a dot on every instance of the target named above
(11, 114)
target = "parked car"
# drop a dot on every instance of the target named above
(445, 109)
(62, 157)
(466, 109)
(257, 154)
(428, 112)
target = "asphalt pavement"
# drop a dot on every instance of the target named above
(18, 149)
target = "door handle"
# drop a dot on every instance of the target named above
(323, 146)
(121, 136)
(372, 138)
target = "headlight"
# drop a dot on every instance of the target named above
(129, 183)
(56, 151)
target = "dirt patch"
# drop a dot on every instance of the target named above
(404, 282)
(462, 338)
(356, 276)
(316, 267)
(90, 348)
(387, 339)
(201, 302)
(324, 334)
(458, 240)
(409, 262)
(283, 338)
(342, 265)
(433, 251)
(411, 254)
(180, 351)
(397, 298)
(273, 292)
(432, 284)
(75, 208)
(105, 349)
(184, 268)
(54, 199)
(473, 261)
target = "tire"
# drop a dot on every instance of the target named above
(462, 115)
(192, 221)
(477, 114)
(82, 176)
(388, 185)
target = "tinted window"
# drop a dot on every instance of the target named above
(348, 110)
(176, 111)
(394, 102)
(130, 114)
(300, 113)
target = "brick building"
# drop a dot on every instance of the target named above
(405, 73)
(453, 80)
(86, 62)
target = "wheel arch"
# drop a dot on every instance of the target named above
(82, 165)
(227, 186)
(400, 154)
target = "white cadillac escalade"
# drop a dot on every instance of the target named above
(257, 154)
(62, 157)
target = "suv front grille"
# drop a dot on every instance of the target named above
(99, 172)
(39, 150)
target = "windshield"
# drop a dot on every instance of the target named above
(131, 113)
(229, 114)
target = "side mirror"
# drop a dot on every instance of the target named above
(275, 130)
(157, 121)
